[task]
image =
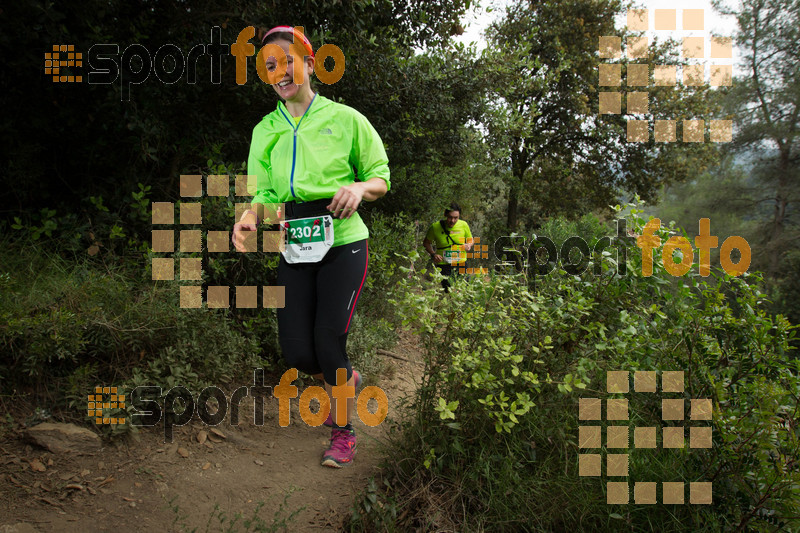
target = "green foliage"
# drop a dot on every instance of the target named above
(119, 237)
(367, 334)
(786, 295)
(557, 154)
(733, 198)
(391, 239)
(588, 227)
(765, 107)
(70, 326)
(491, 440)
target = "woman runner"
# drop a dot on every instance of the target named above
(321, 159)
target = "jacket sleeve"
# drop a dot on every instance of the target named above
(367, 153)
(258, 165)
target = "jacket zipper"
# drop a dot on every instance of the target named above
(294, 142)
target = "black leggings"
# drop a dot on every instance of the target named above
(320, 301)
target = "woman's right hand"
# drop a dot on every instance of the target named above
(247, 223)
(438, 259)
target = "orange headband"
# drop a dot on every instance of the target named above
(297, 34)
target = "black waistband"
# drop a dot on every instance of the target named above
(314, 208)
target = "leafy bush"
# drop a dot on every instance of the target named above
(367, 334)
(392, 245)
(491, 441)
(66, 327)
(72, 320)
(588, 227)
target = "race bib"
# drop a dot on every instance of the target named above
(308, 239)
(452, 256)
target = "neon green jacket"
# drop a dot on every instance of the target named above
(312, 159)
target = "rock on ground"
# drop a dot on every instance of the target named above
(60, 438)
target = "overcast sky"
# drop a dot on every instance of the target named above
(478, 20)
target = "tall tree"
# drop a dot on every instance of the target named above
(561, 155)
(766, 104)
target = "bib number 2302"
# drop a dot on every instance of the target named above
(308, 239)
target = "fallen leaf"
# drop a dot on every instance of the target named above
(217, 432)
(259, 462)
(206, 466)
(74, 486)
(202, 435)
(37, 466)
(51, 502)
(183, 452)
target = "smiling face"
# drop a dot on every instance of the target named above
(286, 86)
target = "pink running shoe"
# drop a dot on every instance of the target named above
(342, 450)
(329, 421)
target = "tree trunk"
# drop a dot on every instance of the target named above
(513, 204)
(779, 214)
(519, 164)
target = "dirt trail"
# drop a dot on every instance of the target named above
(129, 486)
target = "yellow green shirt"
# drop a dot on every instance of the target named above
(460, 235)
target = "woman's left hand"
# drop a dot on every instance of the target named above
(347, 199)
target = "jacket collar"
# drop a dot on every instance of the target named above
(317, 102)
